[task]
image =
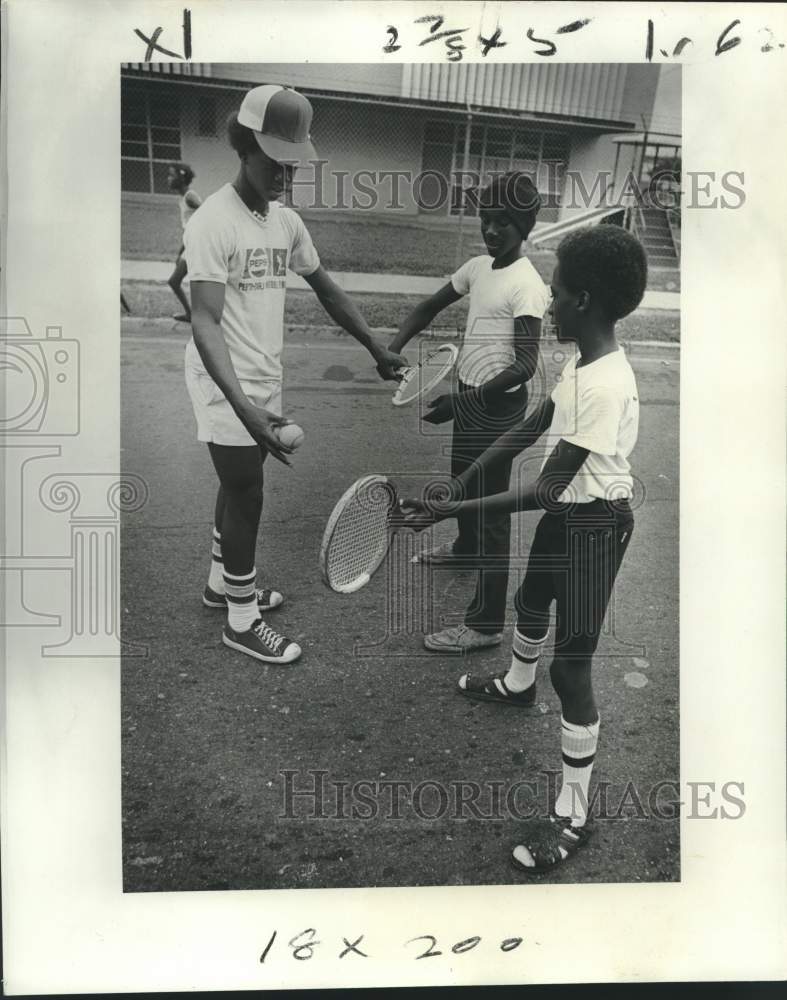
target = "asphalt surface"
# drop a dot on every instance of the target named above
(209, 735)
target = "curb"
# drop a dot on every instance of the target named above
(363, 283)
(163, 323)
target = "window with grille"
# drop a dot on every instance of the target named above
(491, 149)
(555, 151)
(149, 139)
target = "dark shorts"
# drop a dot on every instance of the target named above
(574, 559)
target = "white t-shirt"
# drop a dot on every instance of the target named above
(597, 407)
(497, 296)
(225, 242)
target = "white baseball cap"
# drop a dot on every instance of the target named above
(280, 119)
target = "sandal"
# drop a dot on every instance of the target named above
(495, 689)
(544, 839)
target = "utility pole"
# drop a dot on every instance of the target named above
(465, 160)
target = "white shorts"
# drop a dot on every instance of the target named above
(217, 422)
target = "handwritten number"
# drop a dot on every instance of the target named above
(268, 947)
(456, 48)
(307, 947)
(724, 46)
(542, 41)
(429, 953)
(393, 38)
(510, 943)
(187, 34)
(452, 37)
(427, 18)
(768, 46)
(467, 945)
(303, 945)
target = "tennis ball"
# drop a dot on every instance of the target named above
(290, 435)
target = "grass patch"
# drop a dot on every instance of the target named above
(152, 232)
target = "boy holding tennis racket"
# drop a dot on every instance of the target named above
(584, 489)
(239, 246)
(497, 358)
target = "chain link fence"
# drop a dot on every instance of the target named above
(392, 190)
(405, 175)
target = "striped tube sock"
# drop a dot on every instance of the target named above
(524, 661)
(579, 752)
(241, 600)
(216, 577)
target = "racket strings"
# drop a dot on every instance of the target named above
(421, 378)
(359, 534)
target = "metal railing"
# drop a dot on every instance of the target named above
(673, 221)
(634, 220)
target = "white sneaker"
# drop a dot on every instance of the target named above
(461, 639)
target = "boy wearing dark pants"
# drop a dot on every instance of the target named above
(584, 488)
(498, 356)
(483, 542)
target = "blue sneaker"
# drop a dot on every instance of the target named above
(267, 600)
(263, 643)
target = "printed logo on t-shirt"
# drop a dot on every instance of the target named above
(263, 267)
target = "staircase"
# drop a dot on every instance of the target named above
(654, 232)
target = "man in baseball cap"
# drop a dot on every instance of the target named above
(280, 119)
(240, 244)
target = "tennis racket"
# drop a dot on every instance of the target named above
(358, 534)
(418, 379)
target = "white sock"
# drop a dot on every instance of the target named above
(579, 751)
(241, 591)
(216, 576)
(524, 662)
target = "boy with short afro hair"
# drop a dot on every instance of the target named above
(584, 488)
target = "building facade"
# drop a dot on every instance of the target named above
(408, 139)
